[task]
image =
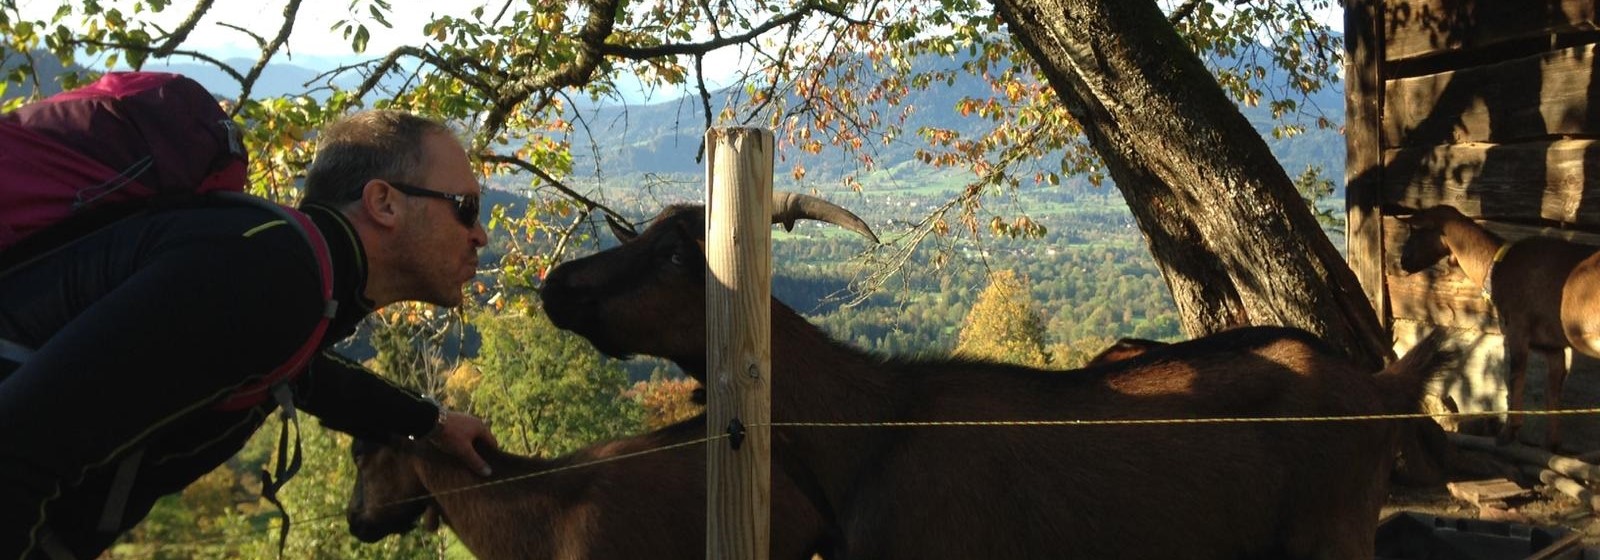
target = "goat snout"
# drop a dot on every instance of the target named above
(368, 531)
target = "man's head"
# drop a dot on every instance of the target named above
(408, 187)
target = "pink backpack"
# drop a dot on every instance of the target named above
(85, 157)
(127, 136)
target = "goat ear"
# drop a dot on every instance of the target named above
(624, 233)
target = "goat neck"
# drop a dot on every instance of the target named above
(1473, 247)
(817, 379)
(479, 514)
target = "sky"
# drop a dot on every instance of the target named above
(312, 37)
(312, 40)
(314, 45)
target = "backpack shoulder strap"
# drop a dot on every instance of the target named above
(256, 393)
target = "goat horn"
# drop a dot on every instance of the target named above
(623, 233)
(788, 207)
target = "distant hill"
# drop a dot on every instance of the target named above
(663, 137)
(276, 79)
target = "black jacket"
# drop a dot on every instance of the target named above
(139, 328)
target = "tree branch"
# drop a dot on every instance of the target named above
(781, 61)
(177, 52)
(705, 103)
(588, 204)
(182, 32)
(261, 42)
(644, 53)
(502, 13)
(289, 11)
(1182, 12)
(452, 66)
(592, 38)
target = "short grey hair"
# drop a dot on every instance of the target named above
(376, 144)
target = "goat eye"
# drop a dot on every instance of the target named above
(677, 259)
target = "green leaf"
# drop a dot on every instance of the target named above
(378, 15)
(360, 41)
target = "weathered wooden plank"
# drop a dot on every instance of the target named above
(1443, 295)
(1479, 491)
(1363, 153)
(1417, 28)
(1528, 98)
(1442, 298)
(1557, 181)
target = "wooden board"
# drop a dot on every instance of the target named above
(1557, 181)
(1480, 491)
(1529, 98)
(1418, 28)
(1363, 155)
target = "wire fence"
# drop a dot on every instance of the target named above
(933, 424)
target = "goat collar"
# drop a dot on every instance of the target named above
(1488, 275)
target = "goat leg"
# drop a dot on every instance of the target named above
(1516, 370)
(1556, 375)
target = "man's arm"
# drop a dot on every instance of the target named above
(349, 398)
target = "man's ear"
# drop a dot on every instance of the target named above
(381, 203)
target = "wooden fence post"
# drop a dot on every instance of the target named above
(738, 341)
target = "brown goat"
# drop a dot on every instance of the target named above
(1546, 292)
(1198, 491)
(1424, 455)
(648, 506)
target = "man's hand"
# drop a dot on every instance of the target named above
(456, 433)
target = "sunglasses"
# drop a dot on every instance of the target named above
(466, 204)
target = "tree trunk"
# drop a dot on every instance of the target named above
(1231, 235)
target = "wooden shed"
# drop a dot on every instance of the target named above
(1491, 106)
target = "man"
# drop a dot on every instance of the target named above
(140, 329)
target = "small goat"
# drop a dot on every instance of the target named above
(1546, 292)
(649, 506)
(1199, 491)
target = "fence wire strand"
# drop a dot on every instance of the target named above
(943, 424)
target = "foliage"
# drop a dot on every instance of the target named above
(410, 341)
(223, 516)
(1003, 325)
(1316, 189)
(666, 400)
(547, 391)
